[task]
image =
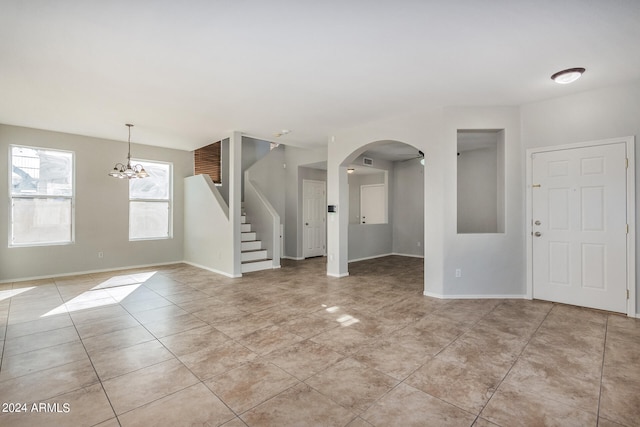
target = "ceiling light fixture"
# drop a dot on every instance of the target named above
(351, 170)
(128, 172)
(282, 132)
(569, 75)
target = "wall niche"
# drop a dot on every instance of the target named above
(481, 181)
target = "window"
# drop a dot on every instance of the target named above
(42, 196)
(150, 202)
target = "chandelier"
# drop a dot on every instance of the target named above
(128, 172)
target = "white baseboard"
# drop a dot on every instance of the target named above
(213, 270)
(485, 296)
(338, 275)
(80, 273)
(369, 257)
(292, 258)
(384, 255)
(408, 255)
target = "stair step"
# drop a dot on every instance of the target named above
(250, 245)
(243, 219)
(254, 255)
(257, 265)
(245, 237)
(245, 227)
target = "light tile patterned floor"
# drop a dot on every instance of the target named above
(177, 345)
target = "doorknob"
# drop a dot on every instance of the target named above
(537, 234)
(537, 223)
(306, 223)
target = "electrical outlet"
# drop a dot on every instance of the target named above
(418, 244)
(100, 254)
(458, 272)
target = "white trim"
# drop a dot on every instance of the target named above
(407, 255)
(80, 273)
(338, 275)
(384, 255)
(432, 295)
(487, 296)
(370, 257)
(292, 258)
(213, 270)
(631, 211)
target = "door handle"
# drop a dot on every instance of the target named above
(306, 223)
(537, 234)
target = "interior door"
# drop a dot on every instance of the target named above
(372, 204)
(314, 217)
(579, 226)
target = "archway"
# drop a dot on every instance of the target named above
(392, 173)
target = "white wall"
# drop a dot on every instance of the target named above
(207, 227)
(101, 213)
(599, 114)
(491, 264)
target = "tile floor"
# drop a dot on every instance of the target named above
(177, 345)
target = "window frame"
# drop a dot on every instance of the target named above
(168, 201)
(12, 197)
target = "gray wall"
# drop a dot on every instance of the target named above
(477, 190)
(268, 174)
(224, 170)
(407, 208)
(252, 151)
(294, 174)
(588, 116)
(101, 212)
(355, 181)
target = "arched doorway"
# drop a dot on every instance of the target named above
(383, 191)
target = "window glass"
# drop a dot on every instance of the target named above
(41, 172)
(41, 190)
(150, 202)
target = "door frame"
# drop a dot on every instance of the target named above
(629, 142)
(304, 247)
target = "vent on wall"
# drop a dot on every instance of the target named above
(367, 161)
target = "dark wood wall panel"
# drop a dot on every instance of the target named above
(207, 161)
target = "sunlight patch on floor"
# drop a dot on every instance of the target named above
(13, 292)
(111, 291)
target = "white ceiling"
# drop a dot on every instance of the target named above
(188, 72)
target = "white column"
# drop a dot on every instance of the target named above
(235, 197)
(338, 222)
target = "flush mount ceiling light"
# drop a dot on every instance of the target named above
(567, 76)
(351, 170)
(282, 132)
(128, 172)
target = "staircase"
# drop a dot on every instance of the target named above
(253, 256)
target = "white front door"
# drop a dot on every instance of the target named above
(314, 217)
(579, 228)
(372, 204)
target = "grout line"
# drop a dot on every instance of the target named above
(604, 349)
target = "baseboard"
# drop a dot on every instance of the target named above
(338, 275)
(485, 296)
(292, 258)
(370, 257)
(80, 273)
(408, 255)
(213, 270)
